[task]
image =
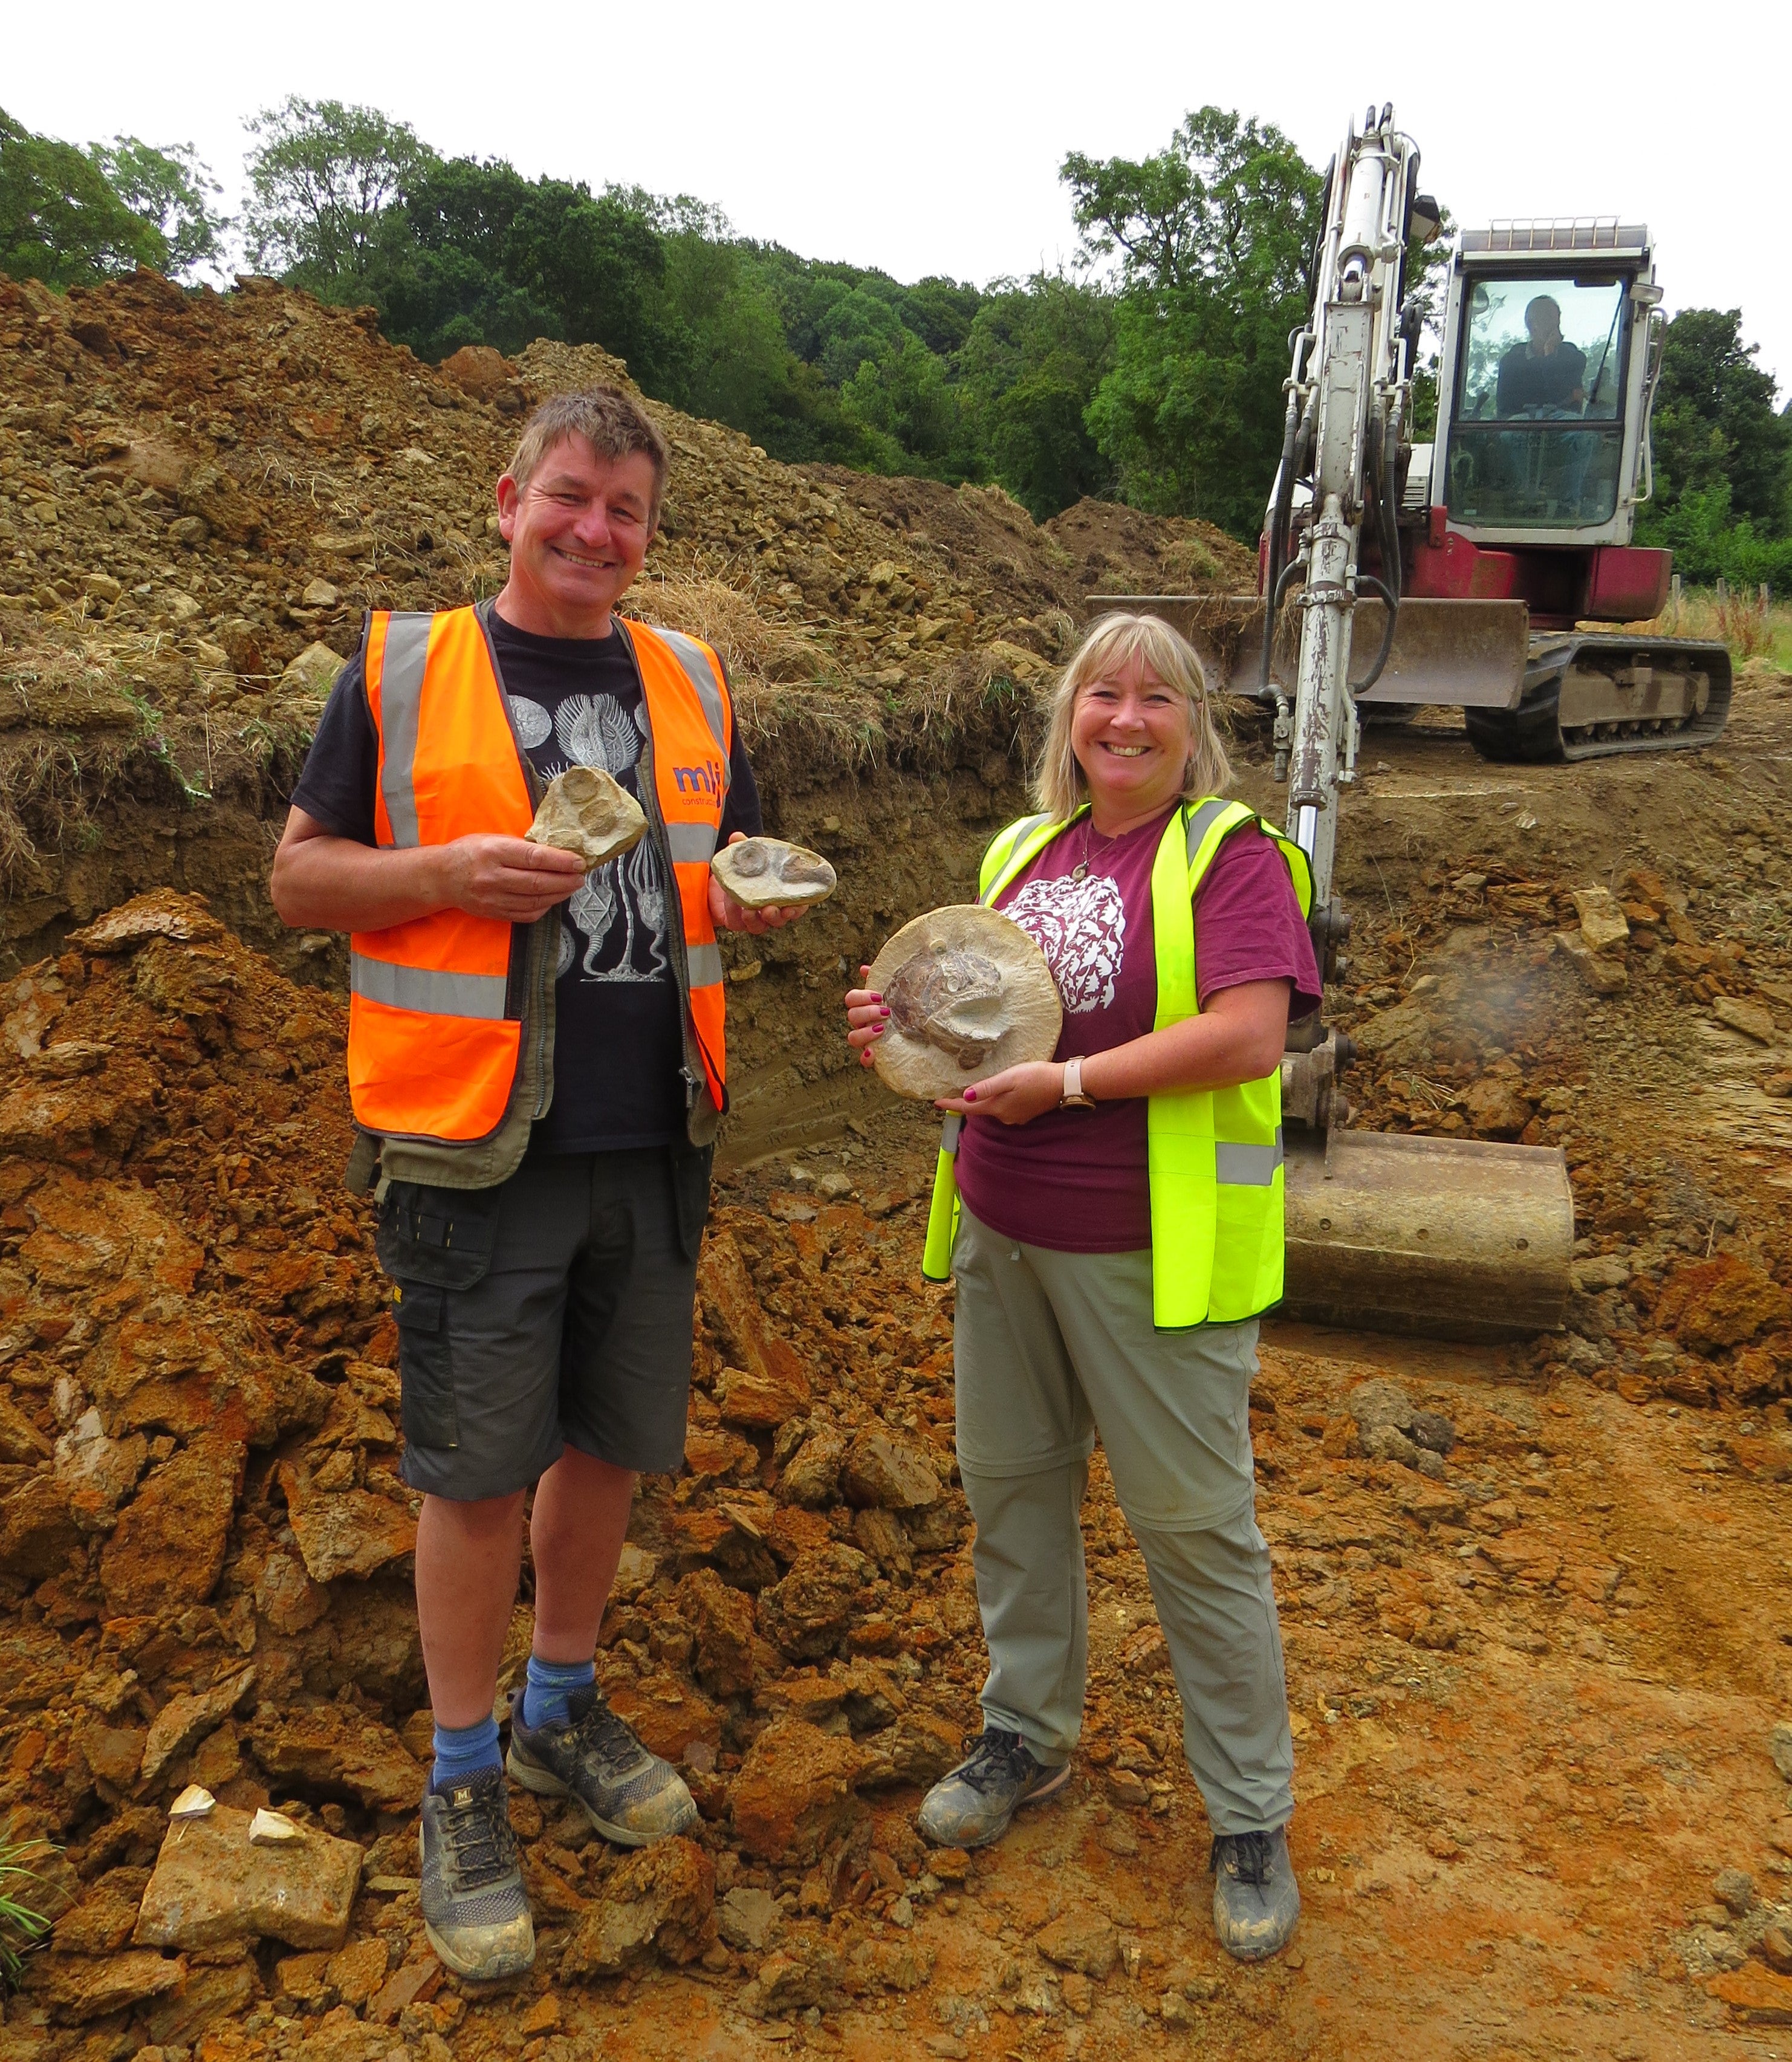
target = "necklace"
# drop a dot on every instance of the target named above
(1080, 871)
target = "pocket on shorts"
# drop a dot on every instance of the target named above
(425, 1366)
(443, 1236)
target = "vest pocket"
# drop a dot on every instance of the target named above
(425, 1366)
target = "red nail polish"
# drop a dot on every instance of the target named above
(970, 1095)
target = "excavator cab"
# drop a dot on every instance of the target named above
(1538, 435)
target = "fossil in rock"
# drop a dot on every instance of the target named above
(763, 872)
(969, 994)
(587, 812)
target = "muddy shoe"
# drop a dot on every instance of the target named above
(475, 1909)
(631, 1796)
(1256, 1901)
(975, 1803)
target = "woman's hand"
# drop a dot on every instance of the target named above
(727, 914)
(1015, 1095)
(866, 1015)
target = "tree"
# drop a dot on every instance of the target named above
(1031, 366)
(173, 189)
(1210, 241)
(322, 180)
(1715, 420)
(62, 219)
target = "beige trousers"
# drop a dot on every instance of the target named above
(1051, 1348)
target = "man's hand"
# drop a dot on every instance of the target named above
(487, 875)
(726, 914)
(1015, 1095)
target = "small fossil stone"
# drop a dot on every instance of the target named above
(587, 812)
(764, 872)
(969, 994)
(194, 1801)
(273, 1829)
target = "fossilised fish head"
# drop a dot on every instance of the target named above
(949, 997)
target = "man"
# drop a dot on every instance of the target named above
(1544, 371)
(535, 1060)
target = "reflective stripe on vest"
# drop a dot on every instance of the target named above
(692, 737)
(435, 1033)
(1215, 1155)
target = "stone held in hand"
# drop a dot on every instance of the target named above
(767, 873)
(587, 812)
(969, 994)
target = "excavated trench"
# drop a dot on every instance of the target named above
(1533, 1599)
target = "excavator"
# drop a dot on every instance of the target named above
(1392, 572)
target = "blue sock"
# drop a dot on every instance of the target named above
(463, 1750)
(549, 1688)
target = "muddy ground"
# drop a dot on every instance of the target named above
(1535, 1679)
(1536, 1638)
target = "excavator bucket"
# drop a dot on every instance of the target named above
(1463, 654)
(1440, 1238)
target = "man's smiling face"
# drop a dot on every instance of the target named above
(578, 534)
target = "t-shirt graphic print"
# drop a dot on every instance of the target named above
(1080, 926)
(614, 928)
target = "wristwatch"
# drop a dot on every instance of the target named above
(1073, 1097)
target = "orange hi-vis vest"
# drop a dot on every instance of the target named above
(436, 1006)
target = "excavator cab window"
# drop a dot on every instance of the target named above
(1537, 439)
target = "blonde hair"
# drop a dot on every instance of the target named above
(608, 419)
(1110, 645)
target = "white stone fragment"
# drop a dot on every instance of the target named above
(194, 1802)
(273, 1829)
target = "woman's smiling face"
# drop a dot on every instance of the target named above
(1131, 734)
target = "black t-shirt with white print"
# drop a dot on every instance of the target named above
(618, 1044)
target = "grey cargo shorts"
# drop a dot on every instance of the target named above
(552, 1310)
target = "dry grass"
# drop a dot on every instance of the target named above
(1753, 630)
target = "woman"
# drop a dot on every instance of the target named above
(1115, 1230)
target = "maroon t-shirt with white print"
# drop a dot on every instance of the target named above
(1076, 1180)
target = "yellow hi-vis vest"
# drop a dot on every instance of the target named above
(1215, 1155)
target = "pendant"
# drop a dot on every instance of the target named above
(1080, 871)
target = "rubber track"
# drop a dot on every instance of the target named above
(1531, 733)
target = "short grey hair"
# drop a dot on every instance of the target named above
(610, 421)
(1110, 645)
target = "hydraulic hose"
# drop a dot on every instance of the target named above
(1390, 602)
(1275, 610)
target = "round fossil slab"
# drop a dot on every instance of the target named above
(587, 812)
(765, 874)
(969, 994)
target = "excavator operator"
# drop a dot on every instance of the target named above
(1545, 372)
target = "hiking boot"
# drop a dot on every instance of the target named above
(631, 1796)
(475, 1909)
(975, 1803)
(1256, 1901)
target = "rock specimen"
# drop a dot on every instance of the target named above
(764, 873)
(211, 1885)
(969, 994)
(586, 811)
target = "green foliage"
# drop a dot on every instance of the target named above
(323, 179)
(1031, 366)
(21, 1923)
(171, 189)
(1211, 240)
(1723, 457)
(61, 218)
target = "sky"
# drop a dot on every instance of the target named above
(927, 139)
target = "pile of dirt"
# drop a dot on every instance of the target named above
(200, 494)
